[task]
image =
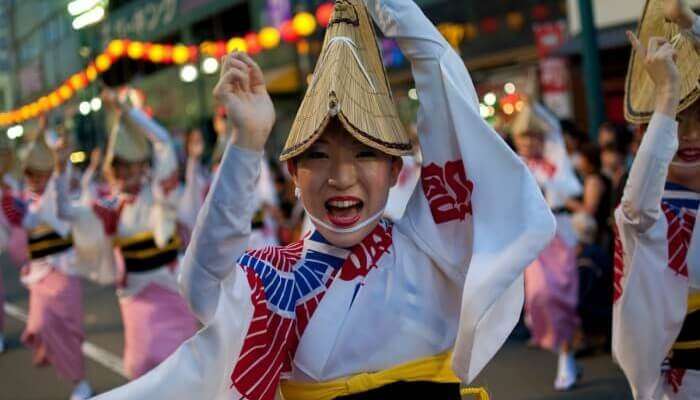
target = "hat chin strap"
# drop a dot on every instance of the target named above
(346, 231)
(681, 164)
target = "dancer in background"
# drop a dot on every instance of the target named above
(656, 311)
(362, 307)
(551, 282)
(54, 328)
(12, 236)
(139, 217)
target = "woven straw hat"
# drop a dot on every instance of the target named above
(126, 143)
(639, 88)
(38, 156)
(350, 84)
(528, 122)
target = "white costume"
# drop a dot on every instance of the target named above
(446, 277)
(657, 268)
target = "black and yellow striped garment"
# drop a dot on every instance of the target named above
(45, 241)
(141, 253)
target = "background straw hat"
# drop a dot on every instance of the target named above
(350, 84)
(127, 144)
(38, 156)
(640, 96)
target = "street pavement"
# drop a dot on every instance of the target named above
(517, 372)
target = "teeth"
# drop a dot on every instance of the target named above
(343, 203)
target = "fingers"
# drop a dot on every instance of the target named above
(636, 44)
(255, 71)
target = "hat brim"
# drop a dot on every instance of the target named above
(640, 91)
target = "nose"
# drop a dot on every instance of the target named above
(342, 174)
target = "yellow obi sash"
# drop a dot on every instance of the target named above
(430, 369)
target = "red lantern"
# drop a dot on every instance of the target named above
(288, 33)
(324, 12)
(540, 12)
(489, 25)
(251, 40)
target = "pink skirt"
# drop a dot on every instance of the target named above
(2, 304)
(55, 325)
(551, 296)
(156, 322)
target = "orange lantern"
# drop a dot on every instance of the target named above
(103, 62)
(54, 99)
(236, 44)
(324, 12)
(181, 54)
(116, 48)
(156, 53)
(136, 50)
(78, 81)
(44, 104)
(304, 24)
(252, 43)
(34, 109)
(91, 72)
(515, 20)
(65, 92)
(287, 32)
(470, 31)
(269, 37)
(24, 113)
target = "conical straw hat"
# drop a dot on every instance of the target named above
(38, 156)
(640, 96)
(350, 84)
(528, 122)
(126, 143)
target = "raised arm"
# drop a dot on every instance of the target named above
(223, 226)
(641, 202)
(478, 211)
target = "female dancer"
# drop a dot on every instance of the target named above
(361, 307)
(656, 311)
(551, 282)
(54, 328)
(139, 216)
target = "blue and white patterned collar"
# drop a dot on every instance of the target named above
(681, 197)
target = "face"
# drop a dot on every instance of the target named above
(529, 145)
(37, 180)
(611, 160)
(685, 168)
(606, 135)
(344, 183)
(219, 125)
(128, 176)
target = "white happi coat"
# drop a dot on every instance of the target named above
(157, 208)
(657, 266)
(446, 276)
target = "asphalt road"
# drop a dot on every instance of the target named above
(517, 372)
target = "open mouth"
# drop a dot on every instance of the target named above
(689, 155)
(343, 211)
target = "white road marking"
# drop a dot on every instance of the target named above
(97, 354)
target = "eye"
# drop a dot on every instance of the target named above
(366, 154)
(316, 155)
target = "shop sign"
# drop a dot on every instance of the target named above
(143, 22)
(555, 83)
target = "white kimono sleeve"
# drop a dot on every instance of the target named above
(478, 211)
(164, 182)
(564, 184)
(651, 299)
(221, 232)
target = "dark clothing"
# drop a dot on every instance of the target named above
(410, 390)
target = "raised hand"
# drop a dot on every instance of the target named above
(659, 59)
(95, 158)
(679, 12)
(195, 146)
(249, 109)
(62, 151)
